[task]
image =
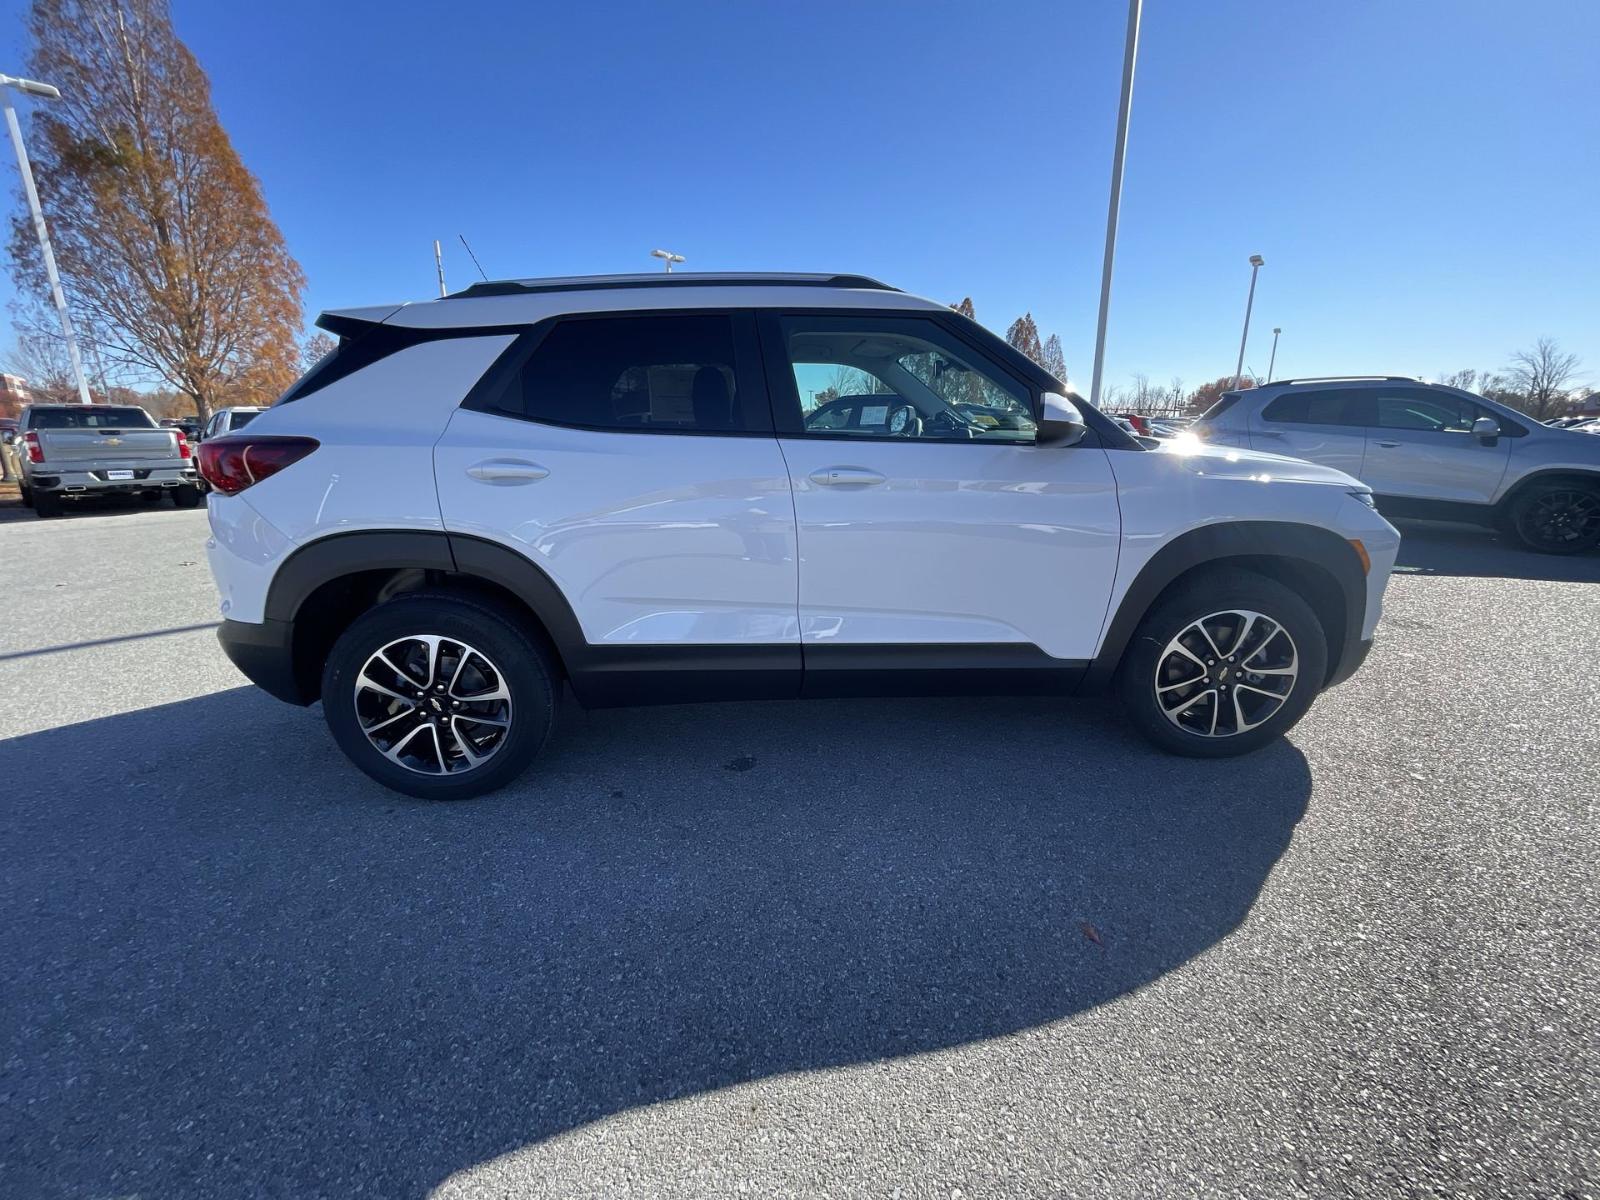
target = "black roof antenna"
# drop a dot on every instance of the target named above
(474, 257)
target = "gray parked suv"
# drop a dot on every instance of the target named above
(1428, 451)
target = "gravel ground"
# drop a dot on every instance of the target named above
(933, 947)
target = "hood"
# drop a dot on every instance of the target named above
(1229, 462)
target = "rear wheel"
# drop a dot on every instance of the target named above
(47, 504)
(1557, 518)
(27, 496)
(1223, 664)
(439, 696)
(185, 495)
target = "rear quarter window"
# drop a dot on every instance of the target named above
(1340, 407)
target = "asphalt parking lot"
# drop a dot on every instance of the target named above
(939, 947)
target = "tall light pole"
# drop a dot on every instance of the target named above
(1271, 362)
(669, 256)
(438, 264)
(44, 91)
(1256, 262)
(1130, 51)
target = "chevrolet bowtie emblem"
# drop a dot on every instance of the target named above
(112, 442)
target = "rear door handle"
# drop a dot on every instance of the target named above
(846, 477)
(507, 472)
(1389, 445)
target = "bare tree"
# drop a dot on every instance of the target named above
(1542, 377)
(318, 346)
(166, 248)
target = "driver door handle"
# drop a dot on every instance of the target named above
(505, 472)
(846, 477)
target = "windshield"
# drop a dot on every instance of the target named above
(90, 416)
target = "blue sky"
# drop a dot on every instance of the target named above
(1420, 174)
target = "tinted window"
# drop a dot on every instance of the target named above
(1434, 412)
(1342, 407)
(668, 374)
(892, 377)
(240, 420)
(90, 417)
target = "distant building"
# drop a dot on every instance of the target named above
(1589, 406)
(13, 395)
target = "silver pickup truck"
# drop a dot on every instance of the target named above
(70, 451)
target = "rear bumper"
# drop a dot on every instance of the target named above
(265, 653)
(93, 481)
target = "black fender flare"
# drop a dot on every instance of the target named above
(1305, 545)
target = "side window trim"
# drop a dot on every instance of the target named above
(499, 393)
(787, 417)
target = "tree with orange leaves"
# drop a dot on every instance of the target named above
(168, 255)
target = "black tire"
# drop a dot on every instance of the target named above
(480, 624)
(1218, 592)
(47, 504)
(26, 495)
(185, 496)
(1556, 518)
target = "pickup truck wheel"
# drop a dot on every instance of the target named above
(438, 696)
(1223, 664)
(1557, 518)
(27, 496)
(47, 504)
(185, 496)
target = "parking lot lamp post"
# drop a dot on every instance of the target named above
(1271, 362)
(1256, 262)
(669, 256)
(46, 92)
(1130, 51)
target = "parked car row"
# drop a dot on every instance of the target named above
(69, 452)
(1427, 450)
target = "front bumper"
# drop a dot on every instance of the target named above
(1355, 653)
(265, 653)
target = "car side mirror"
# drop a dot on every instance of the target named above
(1061, 423)
(1486, 429)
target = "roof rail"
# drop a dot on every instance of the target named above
(1343, 379)
(594, 283)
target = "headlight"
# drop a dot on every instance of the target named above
(1365, 498)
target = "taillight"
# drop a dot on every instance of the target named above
(183, 444)
(31, 441)
(232, 464)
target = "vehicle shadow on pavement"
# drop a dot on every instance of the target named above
(1443, 548)
(233, 966)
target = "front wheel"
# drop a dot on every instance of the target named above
(1223, 664)
(1557, 518)
(440, 696)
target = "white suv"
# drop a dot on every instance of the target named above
(694, 487)
(1428, 451)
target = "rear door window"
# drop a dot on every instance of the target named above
(1335, 406)
(652, 373)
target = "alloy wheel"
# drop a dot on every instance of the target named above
(434, 705)
(1226, 673)
(1561, 518)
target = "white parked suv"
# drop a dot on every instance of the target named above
(1428, 450)
(670, 488)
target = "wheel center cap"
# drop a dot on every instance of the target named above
(434, 701)
(1222, 674)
